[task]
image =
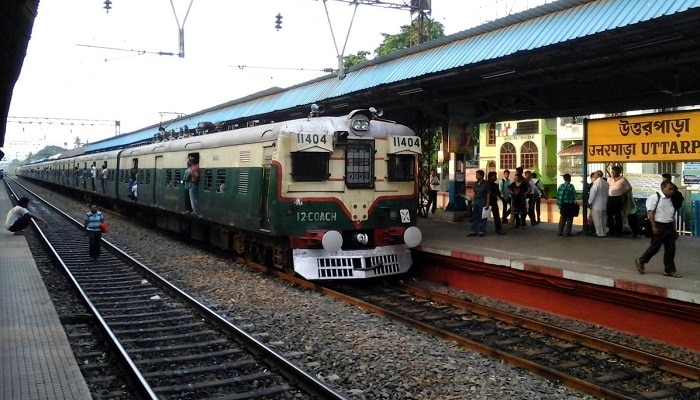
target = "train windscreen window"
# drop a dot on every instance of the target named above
(358, 165)
(401, 167)
(310, 166)
(208, 180)
(220, 180)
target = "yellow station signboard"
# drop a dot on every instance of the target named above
(663, 137)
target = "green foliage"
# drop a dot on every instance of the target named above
(410, 35)
(353, 59)
(46, 152)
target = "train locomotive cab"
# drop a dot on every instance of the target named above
(348, 195)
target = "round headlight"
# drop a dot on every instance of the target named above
(332, 241)
(360, 125)
(412, 237)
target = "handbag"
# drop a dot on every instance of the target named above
(104, 228)
(570, 209)
(485, 212)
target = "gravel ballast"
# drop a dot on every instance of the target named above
(361, 354)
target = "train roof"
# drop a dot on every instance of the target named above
(269, 132)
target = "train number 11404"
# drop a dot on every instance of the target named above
(405, 141)
(311, 138)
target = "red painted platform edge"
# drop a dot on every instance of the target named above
(555, 272)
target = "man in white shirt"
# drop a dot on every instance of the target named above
(597, 201)
(18, 217)
(661, 214)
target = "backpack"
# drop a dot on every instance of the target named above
(677, 199)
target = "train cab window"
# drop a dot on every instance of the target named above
(208, 176)
(401, 167)
(310, 166)
(220, 182)
(359, 159)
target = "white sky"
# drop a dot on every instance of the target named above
(62, 80)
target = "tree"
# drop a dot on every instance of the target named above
(353, 59)
(409, 35)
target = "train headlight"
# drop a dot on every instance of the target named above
(360, 125)
(412, 237)
(332, 241)
(362, 238)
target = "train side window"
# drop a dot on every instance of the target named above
(401, 167)
(220, 182)
(310, 166)
(359, 159)
(147, 179)
(168, 177)
(208, 180)
(141, 175)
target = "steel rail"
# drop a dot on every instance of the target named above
(301, 378)
(132, 370)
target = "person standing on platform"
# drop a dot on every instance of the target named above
(542, 195)
(519, 191)
(589, 228)
(618, 189)
(481, 200)
(495, 193)
(677, 199)
(434, 183)
(597, 201)
(661, 214)
(19, 217)
(93, 218)
(566, 201)
(532, 198)
(505, 194)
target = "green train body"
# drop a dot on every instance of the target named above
(329, 197)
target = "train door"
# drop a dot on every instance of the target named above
(265, 188)
(159, 178)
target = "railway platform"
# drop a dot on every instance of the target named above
(37, 360)
(606, 261)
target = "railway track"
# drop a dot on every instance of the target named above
(600, 368)
(170, 344)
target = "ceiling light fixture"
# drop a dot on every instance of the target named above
(497, 74)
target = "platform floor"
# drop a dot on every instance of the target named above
(601, 261)
(37, 360)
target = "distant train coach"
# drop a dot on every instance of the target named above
(325, 197)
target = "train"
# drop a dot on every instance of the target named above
(324, 197)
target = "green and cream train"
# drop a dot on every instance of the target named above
(326, 197)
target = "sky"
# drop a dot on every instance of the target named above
(231, 49)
